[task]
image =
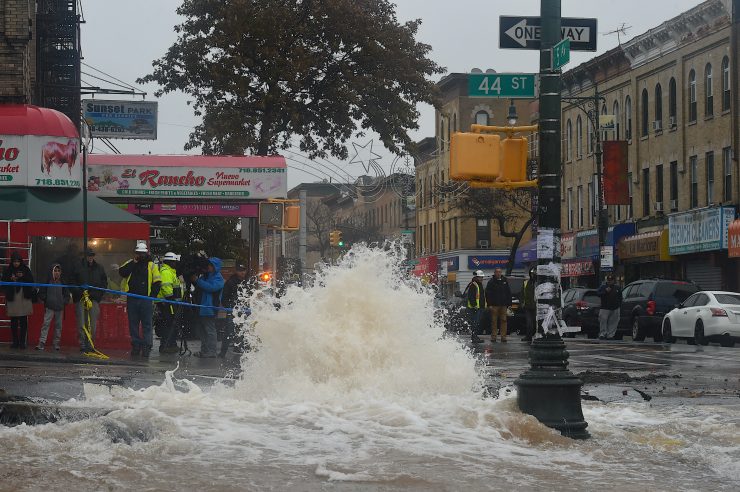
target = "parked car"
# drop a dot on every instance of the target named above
(581, 308)
(703, 317)
(646, 302)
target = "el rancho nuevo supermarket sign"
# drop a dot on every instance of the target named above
(217, 177)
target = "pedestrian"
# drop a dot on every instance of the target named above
(210, 284)
(530, 306)
(88, 272)
(235, 285)
(498, 298)
(172, 291)
(476, 304)
(140, 276)
(611, 303)
(18, 299)
(54, 299)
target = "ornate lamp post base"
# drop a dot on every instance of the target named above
(549, 391)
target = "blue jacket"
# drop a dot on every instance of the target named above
(211, 285)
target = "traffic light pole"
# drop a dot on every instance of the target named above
(548, 390)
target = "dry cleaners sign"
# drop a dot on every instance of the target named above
(699, 230)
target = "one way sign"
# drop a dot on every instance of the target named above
(524, 33)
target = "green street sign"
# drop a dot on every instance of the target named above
(508, 85)
(561, 54)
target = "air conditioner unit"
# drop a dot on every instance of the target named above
(672, 122)
(442, 248)
(674, 204)
(658, 125)
(658, 206)
(483, 243)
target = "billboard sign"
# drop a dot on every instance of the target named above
(121, 119)
(616, 185)
(40, 161)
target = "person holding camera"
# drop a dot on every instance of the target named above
(210, 285)
(611, 303)
(18, 300)
(140, 275)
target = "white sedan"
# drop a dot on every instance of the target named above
(703, 317)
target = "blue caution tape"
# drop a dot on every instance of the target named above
(245, 310)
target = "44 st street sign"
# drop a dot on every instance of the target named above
(520, 32)
(508, 85)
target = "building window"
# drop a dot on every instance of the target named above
(454, 123)
(658, 107)
(590, 134)
(617, 123)
(591, 196)
(727, 172)
(672, 103)
(645, 192)
(618, 211)
(692, 96)
(659, 183)
(725, 84)
(644, 109)
(674, 186)
(694, 172)
(441, 134)
(709, 163)
(579, 137)
(481, 118)
(628, 118)
(708, 93)
(570, 209)
(568, 141)
(629, 190)
(603, 132)
(580, 206)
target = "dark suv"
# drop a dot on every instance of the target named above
(581, 308)
(645, 302)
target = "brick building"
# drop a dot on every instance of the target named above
(17, 51)
(670, 91)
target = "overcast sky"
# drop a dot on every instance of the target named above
(122, 39)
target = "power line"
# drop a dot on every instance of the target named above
(109, 75)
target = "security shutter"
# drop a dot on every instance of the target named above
(704, 274)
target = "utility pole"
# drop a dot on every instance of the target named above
(548, 390)
(603, 214)
(302, 197)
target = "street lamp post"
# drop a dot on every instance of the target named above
(548, 390)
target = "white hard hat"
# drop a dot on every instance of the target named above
(479, 273)
(170, 256)
(141, 247)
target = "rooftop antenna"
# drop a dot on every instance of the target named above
(618, 31)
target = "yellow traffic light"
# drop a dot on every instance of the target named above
(291, 217)
(513, 159)
(475, 156)
(333, 238)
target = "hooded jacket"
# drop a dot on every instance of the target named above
(54, 297)
(93, 275)
(211, 286)
(10, 270)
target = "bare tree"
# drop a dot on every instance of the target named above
(357, 229)
(319, 220)
(511, 209)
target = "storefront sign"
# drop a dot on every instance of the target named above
(568, 246)
(699, 230)
(578, 268)
(195, 209)
(587, 242)
(452, 263)
(487, 262)
(40, 161)
(427, 269)
(208, 177)
(733, 239)
(648, 246)
(121, 119)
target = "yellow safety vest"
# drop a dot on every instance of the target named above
(153, 276)
(169, 281)
(477, 295)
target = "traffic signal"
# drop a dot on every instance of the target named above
(340, 241)
(486, 160)
(292, 217)
(265, 276)
(335, 238)
(513, 159)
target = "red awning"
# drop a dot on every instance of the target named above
(25, 119)
(191, 161)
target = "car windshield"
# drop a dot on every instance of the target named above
(592, 298)
(728, 299)
(677, 290)
(516, 285)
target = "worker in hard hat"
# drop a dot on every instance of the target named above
(172, 291)
(141, 277)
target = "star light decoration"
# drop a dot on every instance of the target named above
(364, 155)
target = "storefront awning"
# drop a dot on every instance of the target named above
(645, 247)
(733, 239)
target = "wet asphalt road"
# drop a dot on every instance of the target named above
(611, 370)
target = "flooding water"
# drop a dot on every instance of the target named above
(354, 387)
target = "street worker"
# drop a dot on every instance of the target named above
(210, 284)
(498, 297)
(476, 304)
(236, 284)
(172, 291)
(140, 276)
(87, 272)
(18, 300)
(54, 299)
(611, 303)
(530, 306)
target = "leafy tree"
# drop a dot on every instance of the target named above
(217, 236)
(261, 72)
(511, 209)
